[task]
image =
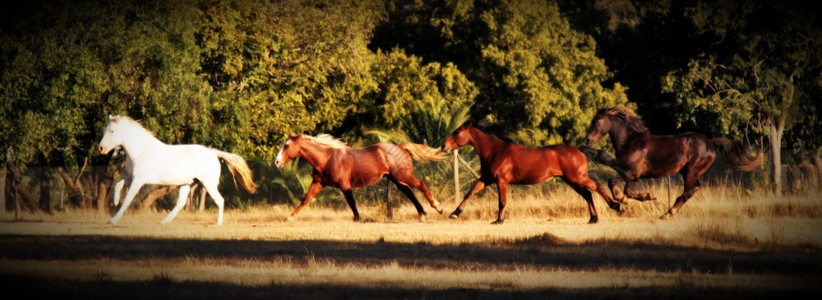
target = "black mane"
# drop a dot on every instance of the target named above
(492, 128)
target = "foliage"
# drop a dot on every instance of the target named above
(240, 75)
(533, 71)
(756, 75)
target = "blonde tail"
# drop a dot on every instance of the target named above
(239, 168)
(422, 152)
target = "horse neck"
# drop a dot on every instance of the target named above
(315, 154)
(139, 142)
(620, 135)
(485, 144)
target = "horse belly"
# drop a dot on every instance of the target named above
(361, 178)
(533, 171)
(179, 165)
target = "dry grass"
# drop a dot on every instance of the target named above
(725, 243)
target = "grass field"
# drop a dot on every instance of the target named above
(725, 243)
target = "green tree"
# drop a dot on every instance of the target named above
(756, 73)
(282, 67)
(533, 71)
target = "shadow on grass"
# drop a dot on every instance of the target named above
(38, 288)
(539, 252)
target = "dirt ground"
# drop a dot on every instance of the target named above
(324, 254)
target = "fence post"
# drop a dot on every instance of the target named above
(456, 176)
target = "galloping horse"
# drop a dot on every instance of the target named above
(504, 162)
(150, 161)
(337, 165)
(640, 154)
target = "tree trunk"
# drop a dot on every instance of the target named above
(817, 161)
(76, 193)
(3, 190)
(102, 194)
(20, 188)
(153, 196)
(203, 193)
(775, 138)
(45, 188)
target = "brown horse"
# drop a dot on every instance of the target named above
(504, 162)
(640, 154)
(337, 165)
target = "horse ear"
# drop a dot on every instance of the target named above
(113, 119)
(292, 135)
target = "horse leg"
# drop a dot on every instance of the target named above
(410, 194)
(613, 184)
(409, 179)
(592, 185)
(690, 190)
(181, 201)
(118, 189)
(132, 192)
(316, 187)
(211, 189)
(692, 184)
(502, 187)
(586, 194)
(629, 191)
(478, 186)
(349, 197)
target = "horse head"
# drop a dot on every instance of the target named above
(600, 126)
(111, 136)
(289, 150)
(459, 138)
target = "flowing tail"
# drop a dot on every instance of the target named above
(736, 154)
(238, 168)
(422, 152)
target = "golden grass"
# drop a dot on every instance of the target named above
(724, 243)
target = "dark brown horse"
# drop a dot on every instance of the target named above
(640, 154)
(504, 162)
(340, 166)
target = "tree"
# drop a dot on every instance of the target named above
(755, 73)
(533, 71)
(282, 67)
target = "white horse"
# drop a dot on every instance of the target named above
(150, 161)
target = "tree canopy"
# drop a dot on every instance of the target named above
(241, 75)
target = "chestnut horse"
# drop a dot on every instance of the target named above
(337, 165)
(504, 162)
(640, 154)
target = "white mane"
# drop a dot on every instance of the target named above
(327, 140)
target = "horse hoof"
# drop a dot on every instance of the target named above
(453, 216)
(498, 221)
(593, 220)
(666, 216)
(289, 219)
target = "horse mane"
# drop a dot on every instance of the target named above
(326, 140)
(632, 119)
(135, 124)
(491, 128)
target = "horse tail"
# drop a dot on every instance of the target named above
(422, 152)
(239, 168)
(736, 154)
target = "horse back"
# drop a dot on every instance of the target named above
(531, 165)
(355, 167)
(662, 155)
